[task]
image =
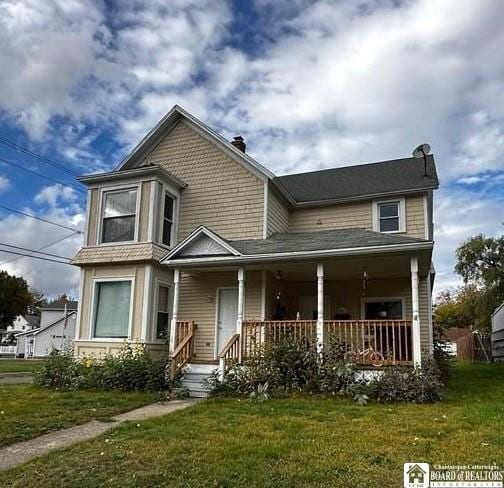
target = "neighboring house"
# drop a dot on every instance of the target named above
(190, 228)
(498, 334)
(56, 331)
(22, 323)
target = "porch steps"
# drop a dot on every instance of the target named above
(194, 378)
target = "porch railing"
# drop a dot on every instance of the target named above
(257, 333)
(184, 347)
(391, 339)
(230, 353)
(7, 349)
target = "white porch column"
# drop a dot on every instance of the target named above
(320, 305)
(417, 351)
(241, 299)
(173, 325)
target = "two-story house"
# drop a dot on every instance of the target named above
(192, 240)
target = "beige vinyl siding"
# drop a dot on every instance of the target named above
(102, 272)
(357, 214)
(278, 214)
(339, 216)
(94, 208)
(221, 194)
(415, 216)
(143, 221)
(198, 302)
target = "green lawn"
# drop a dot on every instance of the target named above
(27, 411)
(18, 365)
(305, 441)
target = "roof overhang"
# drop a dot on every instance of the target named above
(293, 256)
(153, 171)
(222, 248)
(169, 121)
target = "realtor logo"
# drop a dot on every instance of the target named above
(416, 475)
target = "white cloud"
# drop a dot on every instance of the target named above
(55, 194)
(4, 183)
(51, 278)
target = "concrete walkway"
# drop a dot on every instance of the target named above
(23, 452)
(15, 378)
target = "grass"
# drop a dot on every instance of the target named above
(18, 365)
(27, 411)
(304, 441)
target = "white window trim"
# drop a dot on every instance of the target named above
(112, 189)
(402, 215)
(176, 199)
(152, 334)
(365, 300)
(93, 310)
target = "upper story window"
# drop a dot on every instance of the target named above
(389, 216)
(169, 206)
(119, 215)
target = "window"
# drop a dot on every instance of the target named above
(391, 309)
(163, 315)
(119, 215)
(168, 219)
(389, 216)
(112, 310)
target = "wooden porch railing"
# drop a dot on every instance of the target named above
(230, 353)
(184, 346)
(392, 339)
(257, 333)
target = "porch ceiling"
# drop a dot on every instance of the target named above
(339, 268)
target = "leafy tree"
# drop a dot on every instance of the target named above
(38, 300)
(480, 262)
(457, 308)
(15, 298)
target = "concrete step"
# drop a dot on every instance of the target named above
(194, 377)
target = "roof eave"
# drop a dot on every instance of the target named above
(297, 255)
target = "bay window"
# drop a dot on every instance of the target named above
(169, 205)
(112, 309)
(119, 215)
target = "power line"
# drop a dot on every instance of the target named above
(41, 219)
(41, 175)
(35, 257)
(38, 156)
(32, 250)
(40, 248)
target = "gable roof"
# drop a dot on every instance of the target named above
(214, 245)
(302, 244)
(60, 305)
(169, 121)
(363, 180)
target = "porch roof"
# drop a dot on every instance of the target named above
(321, 240)
(295, 244)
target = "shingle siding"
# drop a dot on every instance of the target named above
(221, 194)
(143, 251)
(278, 214)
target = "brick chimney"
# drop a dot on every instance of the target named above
(239, 143)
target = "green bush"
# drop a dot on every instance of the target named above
(296, 366)
(131, 369)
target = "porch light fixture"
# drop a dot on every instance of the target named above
(278, 275)
(364, 282)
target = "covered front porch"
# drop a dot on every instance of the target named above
(375, 307)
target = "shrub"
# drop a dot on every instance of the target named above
(291, 365)
(131, 369)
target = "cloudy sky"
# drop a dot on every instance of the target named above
(310, 84)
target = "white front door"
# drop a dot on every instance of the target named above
(227, 315)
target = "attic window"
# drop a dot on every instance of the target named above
(389, 216)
